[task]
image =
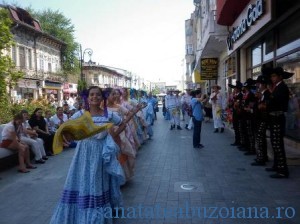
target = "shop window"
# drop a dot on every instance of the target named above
(291, 63)
(268, 47)
(289, 31)
(230, 66)
(256, 55)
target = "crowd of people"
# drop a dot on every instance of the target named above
(253, 107)
(105, 161)
(258, 105)
(102, 163)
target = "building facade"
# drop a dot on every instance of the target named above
(105, 76)
(209, 45)
(259, 33)
(190, 56)
(38, 55)
(265, 33)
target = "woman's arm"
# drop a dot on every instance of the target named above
(47, 129)
(32, 133)
(122, 126)
(38, 130)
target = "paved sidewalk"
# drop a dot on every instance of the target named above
(170, 175)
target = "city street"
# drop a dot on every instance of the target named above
(173, 183)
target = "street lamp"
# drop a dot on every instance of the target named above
(89, 51)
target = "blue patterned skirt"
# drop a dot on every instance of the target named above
(92, 185)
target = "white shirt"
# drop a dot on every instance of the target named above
(71, 101)
(186, 98)
(25, 125)
(217, 100)
(57, 122)
(171, 101)
(7, 131)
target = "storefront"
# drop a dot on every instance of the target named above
(52, 89)
(27, 89)
(70, 89)
(266, 34)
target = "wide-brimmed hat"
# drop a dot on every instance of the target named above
(263, 79)
(267, 71)
(279, 71)
(250, 83)
(216, 85)
(176, 91)
(238, 85)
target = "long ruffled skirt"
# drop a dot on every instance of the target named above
(93, 184)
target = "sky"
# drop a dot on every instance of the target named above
(145, 37)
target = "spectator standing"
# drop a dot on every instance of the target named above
(197, 109)
(186, 104)
(217, 101)
(173, 106)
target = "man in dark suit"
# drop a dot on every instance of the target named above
(234, 105)
(248, 117)
(277, 106)
(263, 96)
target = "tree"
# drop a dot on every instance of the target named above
(9, 75)
(56, 24)
(156, 90)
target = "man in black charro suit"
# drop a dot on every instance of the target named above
(235, 106)
(276, 107)
(262, 117)
(248, 117)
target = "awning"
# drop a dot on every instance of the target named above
(52, 87)
(229, 10)
(197, 77)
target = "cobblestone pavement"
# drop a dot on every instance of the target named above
(174, 183)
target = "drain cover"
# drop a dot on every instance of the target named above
(188, 187)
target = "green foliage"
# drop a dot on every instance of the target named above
(81, 85)
(57, 25)
(9, 110)
(6, 37)
(155, 91)
(8, 73)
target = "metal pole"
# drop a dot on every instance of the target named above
(81, 60)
